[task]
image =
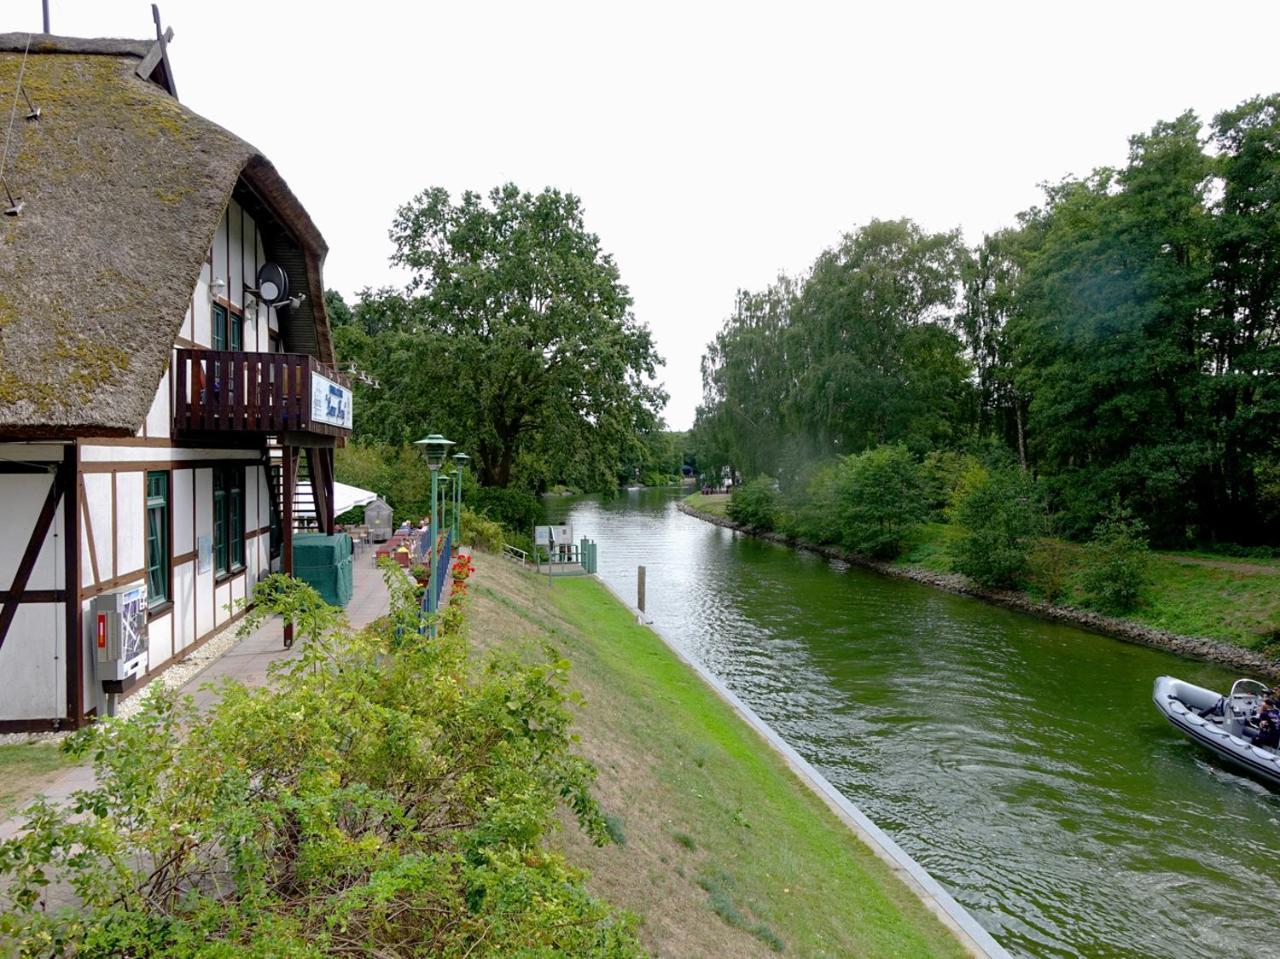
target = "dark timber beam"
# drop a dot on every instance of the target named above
(19, 585)
(71, 583)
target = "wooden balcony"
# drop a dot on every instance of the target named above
(221, 393)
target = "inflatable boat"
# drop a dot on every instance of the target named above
(1223, 724)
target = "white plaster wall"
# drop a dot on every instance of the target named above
(23, 496)
(219, 256)
(184, 580)
(32, 659)
(158, 422)
(33, 664)
(182, 504)
(204, 527)
(97, 497)
(221, 599)
(131, 523)
(234, 219)
(160, 640)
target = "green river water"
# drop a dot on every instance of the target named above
(1021, 762)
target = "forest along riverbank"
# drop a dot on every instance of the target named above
(1018, 760)
(721, 850)
(1128, 630)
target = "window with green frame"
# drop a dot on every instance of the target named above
(158, 558)
(228, 518)
(228, 329)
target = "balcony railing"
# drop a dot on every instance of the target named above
(222, 391)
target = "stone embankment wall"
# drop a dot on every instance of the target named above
(1245, 660)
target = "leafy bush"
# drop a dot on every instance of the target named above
(941, 473)
(878, 501)
(514, 509)
(755, 504)
(809, 517)
(480, 532)
(1118, 567)
(385, 795)
(1049, 568)
(999, 515)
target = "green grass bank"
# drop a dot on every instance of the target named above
(722, 851)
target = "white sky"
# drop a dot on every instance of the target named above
(713, 144)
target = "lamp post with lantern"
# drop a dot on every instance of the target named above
(461, 459)
(434, 450)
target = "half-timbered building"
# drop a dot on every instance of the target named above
(155, 397)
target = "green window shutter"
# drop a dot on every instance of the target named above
(219, 327)
(158, 558)
(236, 493)
(221, 549)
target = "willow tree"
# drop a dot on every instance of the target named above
(523, 347)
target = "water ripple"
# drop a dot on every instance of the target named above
(1019, 761)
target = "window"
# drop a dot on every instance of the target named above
(158, 558)
(228, 329)
(228, 519)
(219, 327)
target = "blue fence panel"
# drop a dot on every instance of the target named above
(435, 588)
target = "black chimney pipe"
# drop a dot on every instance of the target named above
(46, 16)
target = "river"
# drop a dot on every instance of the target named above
(1021, 762)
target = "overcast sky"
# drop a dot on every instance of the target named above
(712, 144)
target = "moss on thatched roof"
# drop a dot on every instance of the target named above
(123, 188)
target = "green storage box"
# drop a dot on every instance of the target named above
(325, 563)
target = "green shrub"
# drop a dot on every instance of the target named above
(515, 509)
(1118, 567)
(809, 517)
(755, 504)
(1049, 568)
(878, 501)
(480, 532)
(999, 515)
(941, 474)
(384, 795)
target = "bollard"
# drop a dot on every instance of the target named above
(640, 588)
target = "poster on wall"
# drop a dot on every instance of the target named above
(330, 403)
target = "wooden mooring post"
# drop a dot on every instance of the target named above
(640, 588)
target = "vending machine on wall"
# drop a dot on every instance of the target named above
(118, 627)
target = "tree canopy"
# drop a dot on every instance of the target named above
(514, 337)
(1122, 339)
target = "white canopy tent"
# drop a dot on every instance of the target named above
(344, 498)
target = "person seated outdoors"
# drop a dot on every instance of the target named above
(1268, 721)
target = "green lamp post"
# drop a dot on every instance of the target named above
(434, 450)
(446, 500)
(461, 459)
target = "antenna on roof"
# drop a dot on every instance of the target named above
(15, 206)
(46, 17)
(33, 111)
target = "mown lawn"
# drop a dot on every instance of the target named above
(714, 503)
(725, 852)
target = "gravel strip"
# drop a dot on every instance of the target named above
(175, 677)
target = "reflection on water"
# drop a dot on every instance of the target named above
(1020, 762)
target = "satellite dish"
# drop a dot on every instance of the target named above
(273, 284)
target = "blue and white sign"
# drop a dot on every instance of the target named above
(330, 403)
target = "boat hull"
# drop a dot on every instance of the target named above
(1180, 703)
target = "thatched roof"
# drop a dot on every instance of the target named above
(123, 188)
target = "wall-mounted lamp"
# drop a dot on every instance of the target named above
(217, 287)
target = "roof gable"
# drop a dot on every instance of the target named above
(122, 190)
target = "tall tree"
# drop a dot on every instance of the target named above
(515, 336)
